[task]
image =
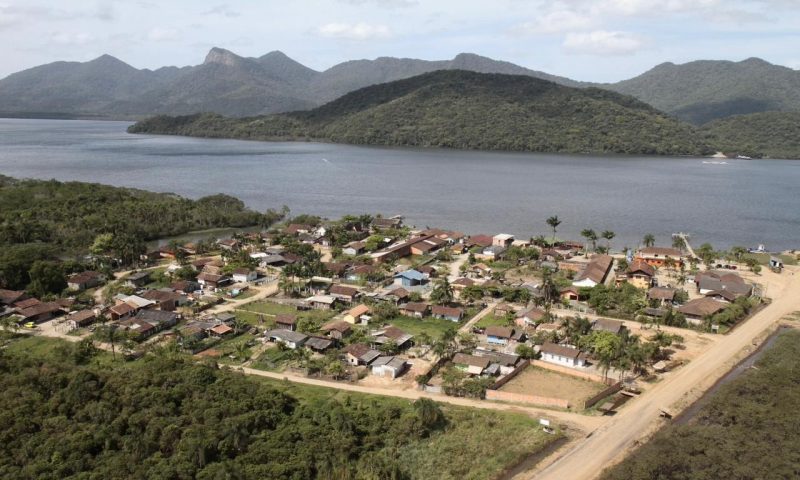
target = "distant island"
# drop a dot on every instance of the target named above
(465, 110)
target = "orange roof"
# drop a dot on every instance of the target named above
(359, 310)
(221, 329)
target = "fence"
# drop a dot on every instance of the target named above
(511, 375)
(522, 398)
(589, 403)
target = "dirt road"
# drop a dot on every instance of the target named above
(606, 445)
(574, 420)
(263, 292)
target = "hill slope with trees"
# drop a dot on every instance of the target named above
(769, 134)
(466, 110)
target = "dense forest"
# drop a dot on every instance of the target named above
(465, 110)
(748, 430)
(768, 134)
(69, 411)
(47, 220)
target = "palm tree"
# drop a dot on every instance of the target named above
(442, 293)
(649, 240)
(679, 243)
(554, 222)
(608, 235)
(590, 236)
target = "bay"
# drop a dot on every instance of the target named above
(740, 202)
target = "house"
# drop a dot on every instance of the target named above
(409, 278)
(387, 223)
(414, 309)
(775, 263)
(318, 344)
(185, 286)
(297, 228)
(392, 334)
(212, 280)
(714, 281)
(607, 325)
(229, 244)
(165, 299)
(428, 271)
(358, 315)
(503, 240)
(480, 270)
(336, 269)
(569, 294)
(9, 297)
(389, 366)
(657, 256)
(120, 311)
(504, 362)
(360, 354)
(563, 355)
(220, 330)
(337, 329)
(319, 285)
(41, 312)
(479, 241)
(663, 295)
(697, 310)
(595, 272)
(399, 294)
(354, 248)
(498, 335)
(427, 245)
(531, 316)
(26, 303)
(81, 319)
(363, 272)
(461, 283)
(321, 302)
(492, 252)
(448, 313)
(138, 279)
(138, 328)
(244, 275)
(344, 293)
(722, 295)
(640, 274)
(82, 281)
(290, 339)
(470, 363)
(159, 318)
(286, 321)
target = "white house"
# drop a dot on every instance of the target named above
(563, 355)
(291, 339)
(391, 367)
(244, 275)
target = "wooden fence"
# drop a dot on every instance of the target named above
(589, 403)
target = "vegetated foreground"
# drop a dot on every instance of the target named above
(466, 110)
(747, 430)
(72, 412)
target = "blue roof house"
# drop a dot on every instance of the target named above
(409, 278)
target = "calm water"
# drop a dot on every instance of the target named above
(743, 202)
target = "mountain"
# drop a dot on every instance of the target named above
(224, 83)
(771, 134)
(701, 91)
(466, 110)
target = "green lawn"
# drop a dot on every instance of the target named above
(434, 327)
(229, 345)
(763, 258)
(490, 320)
(269, 308)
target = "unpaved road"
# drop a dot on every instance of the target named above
(606, 445)
(574, 420)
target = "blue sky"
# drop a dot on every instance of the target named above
(597, 40)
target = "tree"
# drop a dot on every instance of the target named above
(429, 413)
(554, 222)
(525, 351)
(608, 235)
(649, 240)
(46, 278)
(442, 293)
(588, 234)
(679, 243)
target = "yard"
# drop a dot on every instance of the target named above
(546, 383)
(490, 320)
(763, 258)
(253, 313)
(434, 327)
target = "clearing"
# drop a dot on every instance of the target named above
(546, 383)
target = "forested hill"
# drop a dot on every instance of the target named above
(465, 110)
(46, 220)
(770, 134)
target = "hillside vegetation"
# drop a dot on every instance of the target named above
(705, 90)
(73, 413)
(748, 430)
(768, 134)
(46, 220)
(467, 110)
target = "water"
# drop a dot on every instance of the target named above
(745, 202)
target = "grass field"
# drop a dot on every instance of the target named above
(763, 258)
(253, 312)
(546, 383)
(434, 327)
(490, 320)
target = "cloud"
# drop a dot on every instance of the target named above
(159, 34)
(63, 38)
(603, 42)
(355, 31)
(223, 10)
(556, 21)
(384, 3)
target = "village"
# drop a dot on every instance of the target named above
(370, 301)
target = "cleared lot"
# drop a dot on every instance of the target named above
(545, 383)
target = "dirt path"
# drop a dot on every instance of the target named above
(467, 327)
(263, 292)
(455, 267)
(607, 445)
(577, 421)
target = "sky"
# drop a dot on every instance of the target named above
(591, 40)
